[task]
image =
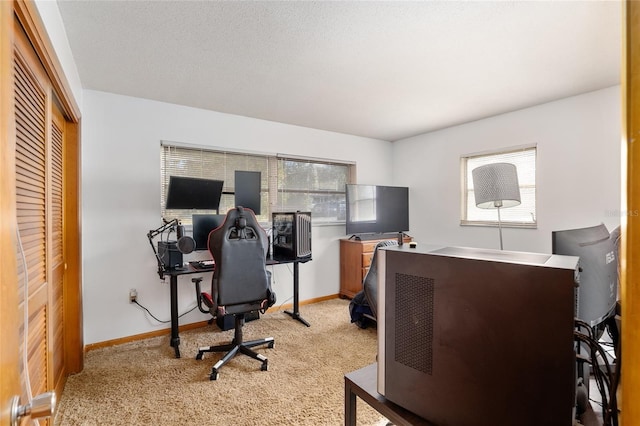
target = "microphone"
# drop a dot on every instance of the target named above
(180, 231)
(185, 243)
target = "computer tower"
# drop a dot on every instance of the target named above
(169, 255)
(473, 336)
(292, 236)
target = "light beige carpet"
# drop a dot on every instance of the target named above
(142, 383)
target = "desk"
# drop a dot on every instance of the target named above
(189, 270)
(363, 383)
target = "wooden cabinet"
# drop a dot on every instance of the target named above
(355, 259)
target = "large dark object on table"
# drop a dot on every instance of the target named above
(477, 336)
(241, 283)
(292, 236)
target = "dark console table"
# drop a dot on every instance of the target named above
(363, 383)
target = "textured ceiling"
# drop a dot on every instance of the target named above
(385, 70)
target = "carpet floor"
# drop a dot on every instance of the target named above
(143, 383)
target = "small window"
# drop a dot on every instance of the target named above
(523, 215)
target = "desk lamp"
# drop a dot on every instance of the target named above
(496, 186)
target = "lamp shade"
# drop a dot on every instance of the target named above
(496, 186)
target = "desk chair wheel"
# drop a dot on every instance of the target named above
(271, 344)
(264, 366)
(214, 375)
(200, 355)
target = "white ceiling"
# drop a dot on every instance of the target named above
(386, 70)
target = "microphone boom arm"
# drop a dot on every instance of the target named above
(168, 225)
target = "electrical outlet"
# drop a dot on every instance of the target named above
(133, 295)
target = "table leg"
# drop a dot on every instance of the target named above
(349, 404)
(175, 337)
(295, 314)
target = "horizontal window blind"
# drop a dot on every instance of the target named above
(287, 184)
(209, 164)
(318, 187)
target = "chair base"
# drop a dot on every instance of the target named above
(237, 345)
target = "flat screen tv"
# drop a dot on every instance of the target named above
(377, 209)
(193, 193)
(598, 252)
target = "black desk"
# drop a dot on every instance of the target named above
(189, 270)
(364, 383)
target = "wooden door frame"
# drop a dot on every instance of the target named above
(29, 17)
(9, 334)
(630, 248)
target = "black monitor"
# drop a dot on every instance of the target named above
(247, 190)
(377, 209)
(598, 252)
(203, 224)
(193, 193)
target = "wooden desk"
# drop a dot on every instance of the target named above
(363, 383)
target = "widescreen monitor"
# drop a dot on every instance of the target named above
(193, 193)
(377, 209)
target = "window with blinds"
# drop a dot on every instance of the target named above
(523, 215)
(313, 186)
(287, 184)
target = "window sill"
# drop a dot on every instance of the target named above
(494, 224)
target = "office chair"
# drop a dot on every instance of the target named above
(241, 282)
(370, 283)
(364, 306)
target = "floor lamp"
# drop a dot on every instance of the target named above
(496, 186)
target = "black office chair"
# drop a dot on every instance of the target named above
(241, 283)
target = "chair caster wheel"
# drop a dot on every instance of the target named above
(271, 345)
(213, 375)
(264, 366)
(199, 356)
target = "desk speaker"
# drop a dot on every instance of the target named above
(169, 254)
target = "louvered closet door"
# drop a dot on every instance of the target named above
(39, 197)
(31, 197)
(56, 261)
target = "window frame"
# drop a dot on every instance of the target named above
(465, 193)
(272, 183)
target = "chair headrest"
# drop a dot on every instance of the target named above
(241, 221)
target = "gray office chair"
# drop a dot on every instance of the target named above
(364, 306)
(241, 283)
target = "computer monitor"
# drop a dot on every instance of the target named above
(193, 193)
(203, 224)
(247, 190)
(598, 252)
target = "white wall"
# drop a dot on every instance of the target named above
(52, 20)
(121, 203)
(578, 171)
